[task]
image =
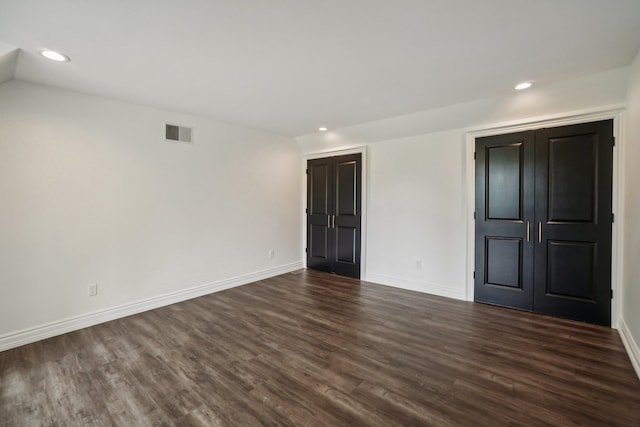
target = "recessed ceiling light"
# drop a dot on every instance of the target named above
(54, 56)
(323, 129)
(523, 86)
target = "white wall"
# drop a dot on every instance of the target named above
(631, 258)
(417, 171)
(416, 213)
(91, 193)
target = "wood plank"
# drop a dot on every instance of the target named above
(314, 349)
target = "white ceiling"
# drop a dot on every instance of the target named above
(292, 65)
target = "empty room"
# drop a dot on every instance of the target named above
(335, 213)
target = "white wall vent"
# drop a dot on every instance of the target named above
(177, 133)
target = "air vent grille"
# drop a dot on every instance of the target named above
(178, 133)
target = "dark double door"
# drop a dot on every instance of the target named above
(543, 221)
(334, 205)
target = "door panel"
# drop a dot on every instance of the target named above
(504, 184)
(574, 169)
(503, 262)
(346, 244)
(319, 196)
(570, 270)
(333, 230)
(346, 188)
(318, 242)
(504, 214)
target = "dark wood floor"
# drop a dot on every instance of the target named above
(313, 349)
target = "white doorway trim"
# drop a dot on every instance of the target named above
(363, 235)
(612, 112)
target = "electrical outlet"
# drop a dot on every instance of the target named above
(272, 253)
(92, 290)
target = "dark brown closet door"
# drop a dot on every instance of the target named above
(347, 207)
(504, 216)
(320, 251)
(574, 168)
(334, 205)
(543, 221)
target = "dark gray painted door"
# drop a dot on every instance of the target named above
(319, 209)
(334, 205)
(504, 216)
(573, 216)
(543, 221)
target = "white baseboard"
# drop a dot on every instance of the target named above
(416, 285)
(41, 332)
(630, 345)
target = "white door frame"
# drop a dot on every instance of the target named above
(617, 114)
(363, 218)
